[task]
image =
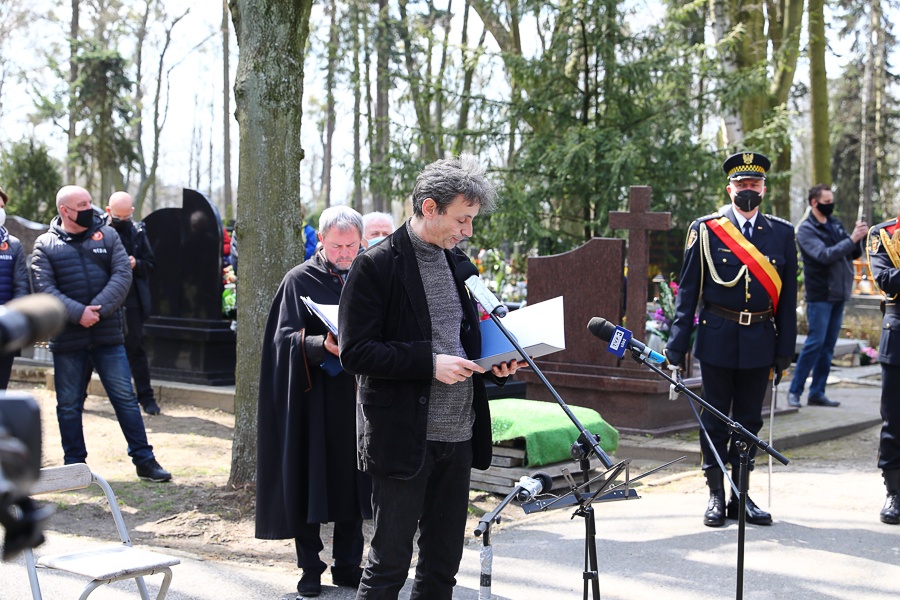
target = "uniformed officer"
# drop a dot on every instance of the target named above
(740, 266)
(884, 264)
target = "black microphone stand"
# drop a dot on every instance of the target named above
(743, 479)
(483, 530)
(588, 443)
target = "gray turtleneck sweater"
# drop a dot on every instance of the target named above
(450, 414)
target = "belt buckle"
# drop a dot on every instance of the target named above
(744, 318)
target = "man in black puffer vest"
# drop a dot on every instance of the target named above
(82, 262)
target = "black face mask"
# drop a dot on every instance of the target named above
(826, 209)
(120, 224)
(85, 217)
(747, 200)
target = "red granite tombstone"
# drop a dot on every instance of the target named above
(591, 280)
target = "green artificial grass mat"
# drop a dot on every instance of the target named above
(547, 430)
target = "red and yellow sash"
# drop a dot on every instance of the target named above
(747, 253)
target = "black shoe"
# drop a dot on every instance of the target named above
(823, 401)
(151, 471)
(346, 576)
(310, 584)
(755, 515)
(715, 510)
(890, 514)
(151, 407)
(794, 400)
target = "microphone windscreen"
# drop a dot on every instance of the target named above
(546, 481)
(601, 328)
(464, 270)
(46, 314)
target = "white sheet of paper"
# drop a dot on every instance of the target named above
(539, 329)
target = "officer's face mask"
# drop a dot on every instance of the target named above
(747, 200)
(825, 209)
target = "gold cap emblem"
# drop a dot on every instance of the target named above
(748, 158)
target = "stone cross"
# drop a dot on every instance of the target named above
(639, 221)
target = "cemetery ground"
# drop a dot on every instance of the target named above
(197, 518)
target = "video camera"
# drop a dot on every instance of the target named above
(23, 321)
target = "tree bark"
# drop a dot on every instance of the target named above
(356, 82)
(73, 75)
(865, 155)
(818, 79)
(330, 77)
(230, 208)
(272, 36)
(379, 167)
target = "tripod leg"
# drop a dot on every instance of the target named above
(743, 483)
(591, 575)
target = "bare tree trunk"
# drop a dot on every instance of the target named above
(865, 155)
(330, 76)
(732, 131)
(379, 166)
(230, 208)
(272, 36)
(356, 82)
(73, 75)
(818, 78)
(878, 83)
(148, 178)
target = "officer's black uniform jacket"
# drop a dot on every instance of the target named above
(722, 342)
(887, 278)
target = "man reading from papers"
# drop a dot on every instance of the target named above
(409, 330)
(306, 468)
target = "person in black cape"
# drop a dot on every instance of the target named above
(306, 438)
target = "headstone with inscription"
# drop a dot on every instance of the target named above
(186, 337)
(591, 280)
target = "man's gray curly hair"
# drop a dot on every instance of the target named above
(445, 179)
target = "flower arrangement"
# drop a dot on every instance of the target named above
(868, 355)
(503, 276)
(659, 322)
(229, 295)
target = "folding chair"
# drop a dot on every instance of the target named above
(102, 565)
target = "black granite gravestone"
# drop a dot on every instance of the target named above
(186, 338)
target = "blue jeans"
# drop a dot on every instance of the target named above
(111, 365)
(437, 501)
(824, 320)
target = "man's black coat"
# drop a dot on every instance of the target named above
(385, 340)
(306, 451)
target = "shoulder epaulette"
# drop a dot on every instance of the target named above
(714, 215)
(779, 220)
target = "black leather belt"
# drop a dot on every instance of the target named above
(742, 317)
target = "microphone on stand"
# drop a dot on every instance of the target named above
(467, 274)
(619, 340)
(529, 487)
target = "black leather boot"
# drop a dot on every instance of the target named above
(890, 514)
(715, 510)
(755, 515)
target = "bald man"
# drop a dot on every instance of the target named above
(137, 304)
(82, 262)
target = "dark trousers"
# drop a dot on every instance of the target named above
(739, 394)
(6, 365)
(137, 358)
(436, 500)
(347, 548)
(889, 448)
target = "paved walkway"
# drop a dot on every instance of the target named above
(826, 543)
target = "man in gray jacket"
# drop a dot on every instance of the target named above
(828, 254)
(82, 262)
